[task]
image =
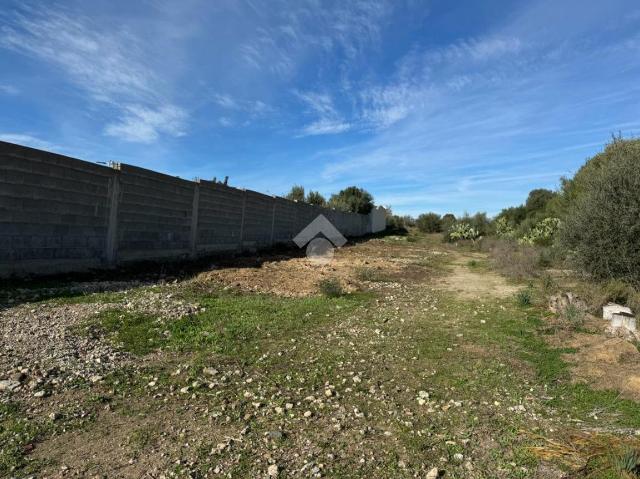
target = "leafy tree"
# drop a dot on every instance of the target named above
(537, 201)
(353, 200)
(448, 221)
(315, 198)
(296, 193)
(429, 223)
(601, 227)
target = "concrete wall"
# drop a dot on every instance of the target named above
(378, 220)
(62, 214)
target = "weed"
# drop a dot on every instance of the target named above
(627, 463)
(524, 297)
(331, 288)
(573, 316)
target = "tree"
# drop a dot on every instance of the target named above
(296, 193)
(353, 200)
(448, 221)
(601, 228)
(315, 198)
(537, 201)
(429, 223)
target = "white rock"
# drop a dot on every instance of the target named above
(432, 474)
(9, 385)
(612, 308)
(272, 470)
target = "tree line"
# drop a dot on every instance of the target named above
(351, 199)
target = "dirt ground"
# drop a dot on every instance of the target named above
(298, 276)
(473, 283)
(420, 371)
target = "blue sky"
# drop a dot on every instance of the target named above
(430, 105)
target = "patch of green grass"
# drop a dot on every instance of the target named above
(231, 323)
(519, 332)
(16, 434)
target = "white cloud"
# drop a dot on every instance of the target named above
(289, 31)
(106, 61)
(144, 125)
(9, 89)
(325, 127)
(328, 122)
(28, 140)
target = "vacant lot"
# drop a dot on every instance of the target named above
(425, 365)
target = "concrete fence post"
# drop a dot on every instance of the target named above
(273, 221)
(244, 207)
(195, 208)
(112, 224)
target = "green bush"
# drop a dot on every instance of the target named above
(429, 223)
(601, 230)
(542, 233)
(504, 229)
(331, 287)
(462, 231)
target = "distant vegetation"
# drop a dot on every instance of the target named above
(351, 199)
(591, 223)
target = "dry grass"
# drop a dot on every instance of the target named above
(591, 454)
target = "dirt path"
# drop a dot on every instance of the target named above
(469, 277)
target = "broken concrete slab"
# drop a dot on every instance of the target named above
(612, 308)
(623, 320)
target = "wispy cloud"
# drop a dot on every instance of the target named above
(144, 125)
(328, 121)
(9, 89)
(29, 140)
(105, 61)
(290, 31)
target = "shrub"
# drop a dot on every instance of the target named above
(429, 223)
(573, 316)
(542, 233)
(396, 224)
(462, 231)
(601, 232)
(503, 228)
(331, 287)
(511, 259)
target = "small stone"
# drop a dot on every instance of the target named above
(40, 394)
(328, 392)
(9, 385)
(272, 470)
(458, 457)
(308, 414)
(433, 473)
